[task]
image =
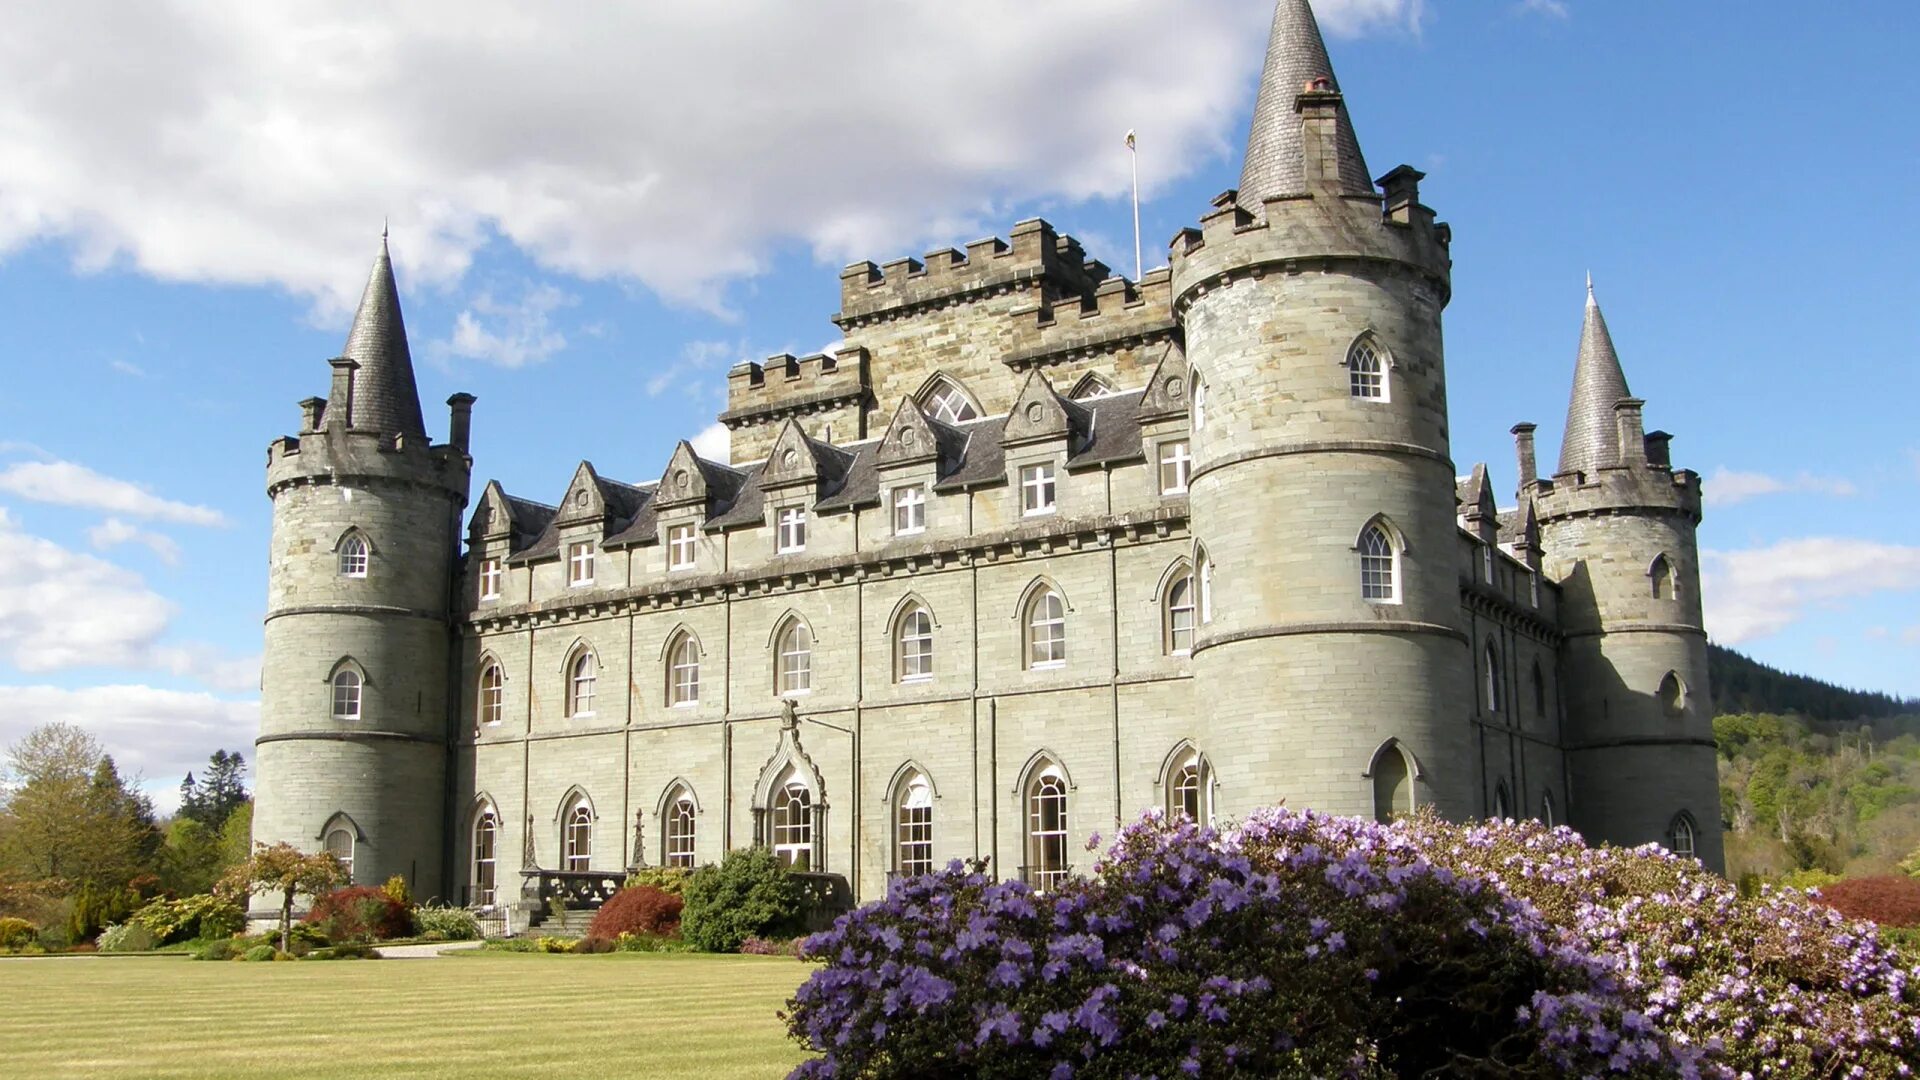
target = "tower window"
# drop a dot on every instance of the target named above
(353, 557)
(1047, 830)
(1660, 575)
(1379, 566)
(792, 530)
(683, 672)
(1200, 397)
(913, 828)
(347, 685)
(1179, 607)
(582, 675)
(492, 695)
(486, 845)
(1046, 630)
(793, 826)
(680, 547)
(577, 840)
(1036, 489)
(579, 564)
(1392, 784)
(340, 846)
(1187, 789)
(1366, 371)
(1492, 674)
(1680, 837)
(793, 660)
(1673, 695)
(1539, 692)
(680, 832)
(909, 510)
(916, 645)
(490, 579)
(1176, 466)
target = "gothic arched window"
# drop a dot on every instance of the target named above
(583, 676)
(354, 556)
(340, 846)
(914, 652)
(1367, 370)
(1392, 783)
(576, 841)
(1660, 576)
(1491, 685)
(486, 846)
(1188, 782)
(793, 825)
(945, 400)
(793, 659)
(347, 685)
(1177, 614)
(1680, 836)
(1673, 694)
(683, 671)
(1046, 828)
(1379, 565)
(1046, 630)
(913, 827)
(680, 831)
(1539, 692)
(492, 696)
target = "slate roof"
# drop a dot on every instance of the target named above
(1276, 162)
(1592, 439)
(385, 397)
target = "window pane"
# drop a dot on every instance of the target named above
(680, 837)
(1047, 631)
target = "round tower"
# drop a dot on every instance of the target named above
(1617, 525)
(1333, 660)
(354, 728)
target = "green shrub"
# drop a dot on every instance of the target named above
(1814, 878)
(360, 913)
(748, 895)
(638, 909)
(555, 945)
(348, 950)
(590, 945)
(222, 949)
(397, 888)
(259, 953)
(519, 945)
(668, 879)
(448, 923)
(96, 909)
(16, 934)
(125, 937)
(652, 943)
(190, 918)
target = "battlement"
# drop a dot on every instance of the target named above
(1117, 314)
(1639, 487)
(1034, 256)
(334, 456)
(787, 384)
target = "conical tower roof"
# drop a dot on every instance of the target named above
(1275, 162)
(1592, 439)
(385, 398)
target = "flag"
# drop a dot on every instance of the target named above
(1130, 139)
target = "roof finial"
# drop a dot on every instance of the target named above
(1591, 302)
(383, 236)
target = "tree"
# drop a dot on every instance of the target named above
(287, 870)
(71, 816)
(211, 800)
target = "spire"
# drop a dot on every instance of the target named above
(384, 397)
(1592, 437)
(1276, 159)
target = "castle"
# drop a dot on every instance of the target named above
(1037, 548)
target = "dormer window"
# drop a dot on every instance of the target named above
(579, 564)
(946, 401)
(353, 556)
(1176, 467)
(680, 547)
(909, 510)
(1036, 490)
(490, 579)
(791, 535)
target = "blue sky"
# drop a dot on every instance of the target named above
(593, 219)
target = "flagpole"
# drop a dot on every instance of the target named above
(1133, 154)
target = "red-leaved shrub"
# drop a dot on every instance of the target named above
(1893, 900)
(642, 909)
(360, 913)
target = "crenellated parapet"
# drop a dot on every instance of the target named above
(824, 391)
(335, 456)
(1640, 479)
(1035, 258)
(1118, 315)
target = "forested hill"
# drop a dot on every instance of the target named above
(1743, 685)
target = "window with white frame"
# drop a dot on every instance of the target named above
(577, 839)
(1486, 563)
(1199, 409)
(1379, 563)
(1491, 688)
(486, 863)
(1187, 789)
(913, 828)
(793, 659)
(1680, 838)
(1176, 467)
(493, 692)
(680, 547)
(683, 672)
(916, 645)
(792, 831)
(1046, 626)
(1366, 370)
(1037, 489)
(353, 556)
(340, 846)
(490, 579)
(680, 832)
(909, 510)
(946, 401)
(1180, 611)
(580, 564)
(1206, 584)
(791, 535)
(347, 685)
(583, 675)
(1047, 829)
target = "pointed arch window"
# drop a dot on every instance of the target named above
(1188, 788)
(680, 831)
(1673, 694)
(683, 671)
(1680, 836)
(583, 678)
(1546, 809)
(493, 696)
(1501, 809)
(1367, 370)
(340, 846)
(913, 827)
(1205, 585)
(576, 840)
(1200, 399)
(354, 556)
(1178, 609)
(1046, 799)
(486, 845)
(793, 659)
(1046, 630)
(347, 687)
(914, 645)
(1091, 385)
(1539, 692)
(1490, 687)
(1660, 579)
(793, 825)
(1392, 784)
(1379, 565)
(945, 400)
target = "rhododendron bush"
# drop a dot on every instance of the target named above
(1298, 944)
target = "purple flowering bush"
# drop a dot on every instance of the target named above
(1295, 945)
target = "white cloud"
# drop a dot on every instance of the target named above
(158, 734)
(113, 532)
(691, 372)
(1727, 486)
(677, 145)
(64, 483)
(714, 443)
(521, 331)
(1556, 8)
(64, 609)
(128, 367)
(1759, 591)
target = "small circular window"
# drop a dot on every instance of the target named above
(1034, 412)
(1176, 388)
(789, 459)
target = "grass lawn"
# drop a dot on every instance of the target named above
(472, 1016)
